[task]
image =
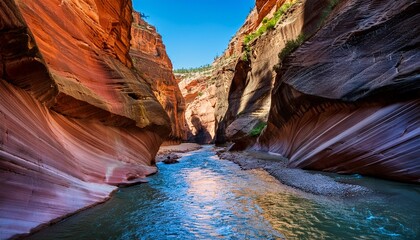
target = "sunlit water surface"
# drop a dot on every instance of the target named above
(203, 197)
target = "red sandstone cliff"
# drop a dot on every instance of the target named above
(262, 9)
(345, 101)
(249, 73)
(199, 92)
(242, 88)
(150, 59)
(75, 117)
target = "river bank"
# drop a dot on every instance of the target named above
(307, 181)
(170, 153)
(204, 197)
(275, 165)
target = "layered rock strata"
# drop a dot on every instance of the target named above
(76, 119)
(199, 92)
(252, 77)
(241, 88)
(347, 100)
(150, 59)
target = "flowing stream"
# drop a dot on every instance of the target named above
(203, 197)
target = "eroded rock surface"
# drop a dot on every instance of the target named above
(347, 100)
(199, 92)
(251, 79)
(150, 59)
(75, 117)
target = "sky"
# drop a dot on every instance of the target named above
(195, 31)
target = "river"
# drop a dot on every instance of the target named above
(203, 197)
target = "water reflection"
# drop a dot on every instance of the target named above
(357, 218)
(206, 198)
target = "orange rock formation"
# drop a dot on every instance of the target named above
(345, 101)
(246, 104)
(76, 118)
(200, 98)
(150, 59)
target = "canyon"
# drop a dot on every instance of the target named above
(153, 64)
(330, 85)
(88, 95)
(77, 119)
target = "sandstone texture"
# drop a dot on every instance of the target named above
(199, 92)
(252, 75)
(150, 59)
(347, 100)
(263, 9)
(76, 119)
(243, 86)
(223, 98)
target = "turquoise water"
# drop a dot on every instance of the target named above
(203, 197)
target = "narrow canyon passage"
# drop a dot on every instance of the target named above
(204, 197)
(299, 92)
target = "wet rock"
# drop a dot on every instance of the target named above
(167, 158)
(170, 160)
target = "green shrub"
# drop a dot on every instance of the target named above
(271, 24)
(245, 57)
(194, 70)
(256, 131)
(248, 38)
(246, 53)
(267, 25)
(291, 46)
(331, 5)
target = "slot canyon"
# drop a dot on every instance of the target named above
(307, 126)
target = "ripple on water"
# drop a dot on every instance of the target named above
(203, 197)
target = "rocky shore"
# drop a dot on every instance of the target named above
(170, 154)
(307, 181)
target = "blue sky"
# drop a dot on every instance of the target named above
(195, 31)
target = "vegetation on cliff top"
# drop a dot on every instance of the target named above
(202, 68)
(293, 44)
(267, 25)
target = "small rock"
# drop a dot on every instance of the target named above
(171, 159)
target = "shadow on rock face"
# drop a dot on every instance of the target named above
(202, 136)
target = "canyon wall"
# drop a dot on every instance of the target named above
(227, 104)
(242, 110)
(153, 64)
(76, 119)
(199, 90)
(243, 76)
(332, 86)
(347, 100)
